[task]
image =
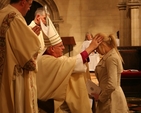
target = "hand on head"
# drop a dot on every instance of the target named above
(97, 40)
(94, 44)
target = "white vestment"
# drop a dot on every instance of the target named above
(41, 39)
(18, 51)
(94, 57)
(61, 79)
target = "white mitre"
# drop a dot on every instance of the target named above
(50, 34)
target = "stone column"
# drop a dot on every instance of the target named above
(133, 7)
(124, 30)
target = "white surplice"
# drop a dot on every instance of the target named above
(19, 47)
(94, 57)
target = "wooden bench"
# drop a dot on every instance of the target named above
(130, 78)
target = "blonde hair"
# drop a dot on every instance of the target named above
(110, 41)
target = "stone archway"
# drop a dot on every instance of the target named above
(52, 8)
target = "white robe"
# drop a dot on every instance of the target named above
(41, 39)
(55, 80)
(94, 57)
(18, 51)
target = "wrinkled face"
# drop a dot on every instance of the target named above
(42, 18)
(58, 49)
(89, 37)
(26, 6)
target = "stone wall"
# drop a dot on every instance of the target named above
(80, 16)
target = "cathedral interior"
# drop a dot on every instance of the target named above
(73, 18)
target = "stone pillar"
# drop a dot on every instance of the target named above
(133, 7)
(124, 30)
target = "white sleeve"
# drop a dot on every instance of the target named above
(79, 66)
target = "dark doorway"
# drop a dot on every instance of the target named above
(30, 14)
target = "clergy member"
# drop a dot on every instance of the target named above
(62, 78)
